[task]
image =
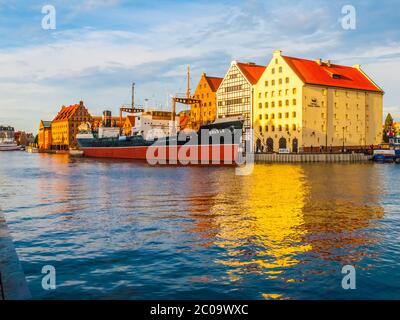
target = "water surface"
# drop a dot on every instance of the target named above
(125, 230)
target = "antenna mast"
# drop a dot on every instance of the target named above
(133, 94)
(188, 83)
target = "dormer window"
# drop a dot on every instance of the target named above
(336, 76)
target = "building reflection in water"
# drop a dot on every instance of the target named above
(284, 216)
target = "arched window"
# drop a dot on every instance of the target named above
(282, 143)
(270, 145)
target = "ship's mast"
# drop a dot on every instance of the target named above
(133, 95)
(188, 83)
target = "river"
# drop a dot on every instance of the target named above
(126, 230)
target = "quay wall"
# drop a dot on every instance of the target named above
(309, 158)
(14, 285)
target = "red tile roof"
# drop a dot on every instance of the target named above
(334, 75)
(66, 112)
(214, 82)
(251, 71)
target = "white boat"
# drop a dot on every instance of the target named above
(31, 149)
(7, 142)
(75, 152)
(12, 146)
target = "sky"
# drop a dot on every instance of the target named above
(98, 48)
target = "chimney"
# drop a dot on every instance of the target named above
(319, 61)
(277, 53)
(328, 63)
(357, 66)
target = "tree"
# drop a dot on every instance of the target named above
(388, 128)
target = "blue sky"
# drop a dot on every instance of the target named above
(99, 47)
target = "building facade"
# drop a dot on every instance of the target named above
(65, 125)
(45, 137)
(305, 105)
(128, 125)
(206, 111)
(235, 94)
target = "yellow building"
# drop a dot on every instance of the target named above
(206, 111)
(315, 105)
(44, 139)
(64, 127)
(235, 94)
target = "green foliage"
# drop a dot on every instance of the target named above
(388, 127)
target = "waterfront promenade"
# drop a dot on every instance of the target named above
(311, 157)
(14, 285)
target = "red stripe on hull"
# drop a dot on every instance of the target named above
(186, 154)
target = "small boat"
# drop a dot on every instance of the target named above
(9, 146)
(389, 154)
(75, 152)
(7, 142)
(31, 149)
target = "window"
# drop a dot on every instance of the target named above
(280, 103)
(273, 71)
(266, 128)
(260, 129)
(273, 116)
(276, 61)
(294, 102)
(279, 115)
(273, 82)
(266, 94)
(266, 117)
(266, 105)
(294, 91)
(280, 69)
(294, 114)
(259, 95)
(280, 81)
(260, 116)
(280, 93)
(287, 80)
(280, 128)
(286, 127)
(286, 92)
(287, 103)
(287, 115)
(294, 127)
(260, 105)
(266, 83)
(273, 104)
(273, 94)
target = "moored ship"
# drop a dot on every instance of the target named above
(7, 142)
(217, 143)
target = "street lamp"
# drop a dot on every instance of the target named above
(343, 139)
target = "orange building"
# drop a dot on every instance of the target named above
(128, 125)
(96, 122)
(65, 125)
(206, 111)
(44, 139)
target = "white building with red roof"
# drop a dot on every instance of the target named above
(235, 93)
(315, 105)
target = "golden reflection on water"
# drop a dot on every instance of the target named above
(266, 220)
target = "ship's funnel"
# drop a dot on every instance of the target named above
(107, 117)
